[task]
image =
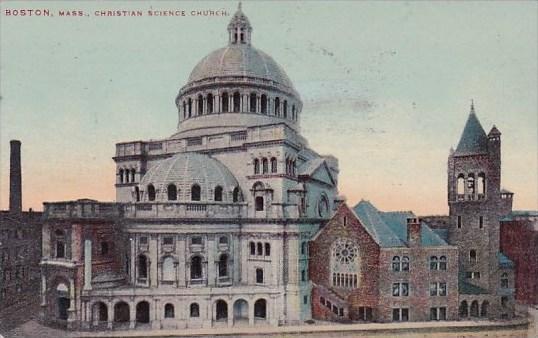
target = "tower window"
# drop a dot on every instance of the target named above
(481, 222)
(253, 102)
(273, 165)
(151, 192)
(277, 106)
(285, 109)
(472, 256)
(190, 106)
(172, 192)
(218, 194)
(265, 165)
(259, 203)
(209, 103)
(259, 276)
(237, 102)
(256, 166)
(264, 104)
(225, 102)
(200, 105)
(267, 249)
(252, 248)
(459, 222)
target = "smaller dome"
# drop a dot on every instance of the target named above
(185, 170)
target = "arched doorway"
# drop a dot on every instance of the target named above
(464, 311)
(260, 309)
(474, 308)
(484, 309)
(221, 310)
(142, 312)
(240, 310)
(62, 302)
(121, 312)
(99, 313)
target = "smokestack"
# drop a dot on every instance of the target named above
(15, 177)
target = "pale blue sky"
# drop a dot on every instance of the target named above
(386, 88)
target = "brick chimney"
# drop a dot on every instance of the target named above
(413, 231)
(15, 177)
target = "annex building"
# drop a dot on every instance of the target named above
(234, 220)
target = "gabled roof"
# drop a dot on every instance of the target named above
(389, 229)
(473, 139)
(310, 167)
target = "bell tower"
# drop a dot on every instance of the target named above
(239, 28)
(476, 203)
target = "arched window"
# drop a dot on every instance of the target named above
(222, 310)
(405, 263)
(225, 102)
(151, 192)
(396, 263)
(267, 249)
(190, 106)
(264, 104)
(481, 186)
(259, 276)
(127, 176)
(172, 192)
(259, 247)
(209, 103)
(237, 102)
(253, 102)
(504, 280)
(260, 308)
(273, 165)
(442, 263)
(344, 263)
(195, 192)
(265, 165)
(471, 188)
(133, 173)
(252, 248)
(121, 312)
(121, 175)
(484, 308)
(259, 203)
(323, 206)
(472, 256)
(194, 310)
(235, 194)
(223, 266)
(218, 193)
(169, 273)
(196, 267)
(434, 263)
(285, 109)
(464, 309)
(142, 267)
(60, 243)
(277, 106)
(460, 186)
(200, 105)
(169, 311)
(256, 166)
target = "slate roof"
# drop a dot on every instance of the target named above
(466, 288)
(520, 213)
(389, 229)
(309, 167)
(504, 261)
(473, 139)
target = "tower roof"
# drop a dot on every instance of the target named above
(473, 139)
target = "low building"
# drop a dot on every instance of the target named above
(519, 241)
(383, 266)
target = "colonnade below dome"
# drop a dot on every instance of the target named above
(238, 101)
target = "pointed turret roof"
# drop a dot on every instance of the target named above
(473, 139)
(494, 131)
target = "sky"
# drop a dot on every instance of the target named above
(386, 88)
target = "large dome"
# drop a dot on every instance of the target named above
(239, 60)
(184, 170)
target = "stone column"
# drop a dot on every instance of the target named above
(43, 289)
(132, 314)
(244, 243)
(211, 275)
(110, 312)
(230, 314)
(155, 321)
(251, 311)
(236, 247)
(72, 310)
(180, 251)
(153, 254)
(132, 262)
(87, 264)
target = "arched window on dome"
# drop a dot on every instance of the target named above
(225, 102)
(265, 165)
(256, 166)
(236, 194)
(237, 102)
(277, 106)
(285, 109)
(253, 102)
(120, 173)
(172, 192)
(242, 36)
(151, 192)
(189, 103)
(218, 194)
(200, 105)
(264, 104)
(209, 103)
(133, 173)
(293, 113)
(195, 192)
(273, 165)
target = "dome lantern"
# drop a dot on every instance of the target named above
(239, 28)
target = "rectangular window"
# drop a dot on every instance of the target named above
(405, 315)
(396, 289)
(459, 222)
(481, 222)
(442, 313)
(197, 240)
(396, 315)
(433, 313)
(341, 314)
(328, 304)
(303, 275)
(400, 315)
(168, 240)
(305, 299)
(442, 289)
(400, 289)
(433, 289)
(362, 315)
(143, 240)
